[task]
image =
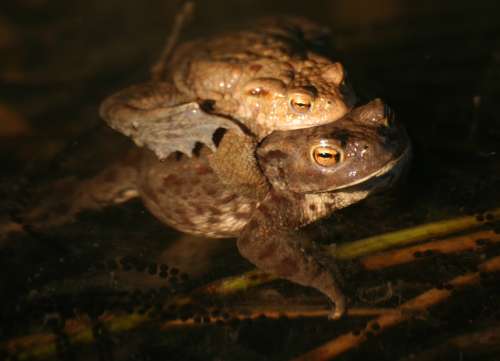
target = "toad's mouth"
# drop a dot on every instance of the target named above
(389, 171)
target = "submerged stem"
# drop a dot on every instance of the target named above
(79, 331)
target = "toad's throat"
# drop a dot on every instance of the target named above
(395, 165)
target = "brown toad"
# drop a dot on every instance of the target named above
(271, 183)
(309, 173)
(303, 175)
(268, 77)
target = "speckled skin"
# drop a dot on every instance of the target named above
(252, 76)
(291, 190)
(275, 56)
(254, 81)
(186, 194)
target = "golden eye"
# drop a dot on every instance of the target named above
(301, 102)
(326, 156)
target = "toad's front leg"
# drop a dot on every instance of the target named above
(272, 242)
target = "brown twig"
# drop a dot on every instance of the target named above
(418, 304)
(43, 344)
(363, 247)
(259, 311)
(180, 20)
(410, 235)
(456, 244)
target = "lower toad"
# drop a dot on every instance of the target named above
(302, 176)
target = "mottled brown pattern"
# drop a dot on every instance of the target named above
(184, 220)
(229, 198)
(330, 206)
(265, 211)
(214, 210)
(195, 181)
(268, 251)
(202, 170)
(300, 192)
(255, 67)
(171, 180)
(253, 224)
(181, 212)
(213, 220)
(254, 75)
(287, 201)
(275, 154)
(211, 191)
(287, 267)
(242, 215)
(204, 208)
(199, 210)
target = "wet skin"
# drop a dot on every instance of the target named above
(266, 77)
(310, 173)
(294, 151)
(301, 176)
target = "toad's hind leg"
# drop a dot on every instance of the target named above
(272, 242)
(160, 117)
(60, 201)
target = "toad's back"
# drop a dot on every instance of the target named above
(252, 75)
(275, 39)
(266, 78)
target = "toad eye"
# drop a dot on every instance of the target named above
(301, 102)
(326, 156)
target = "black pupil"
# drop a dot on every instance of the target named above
(325, 155)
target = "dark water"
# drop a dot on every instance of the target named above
(436, 64)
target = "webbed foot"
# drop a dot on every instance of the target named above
(272, 241)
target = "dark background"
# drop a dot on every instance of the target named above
(437, 63)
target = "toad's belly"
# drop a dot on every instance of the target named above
(185, 194)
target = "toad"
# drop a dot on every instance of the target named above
(304, 175)
(267, 77)
(308, 174)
